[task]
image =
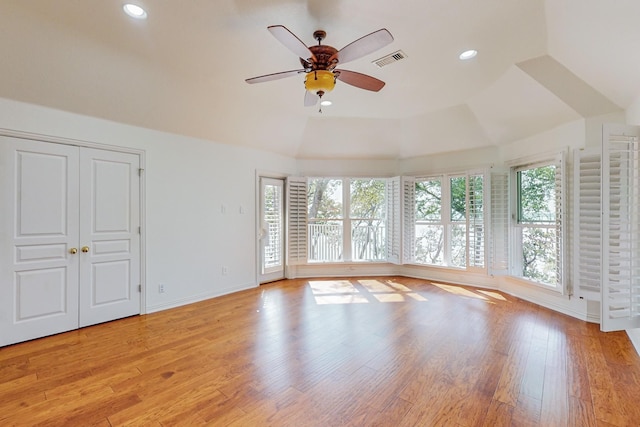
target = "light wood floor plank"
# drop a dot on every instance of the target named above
(301, 353)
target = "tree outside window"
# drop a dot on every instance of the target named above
(448, 220)
(536, 230)
(335, 236)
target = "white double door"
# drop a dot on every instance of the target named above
(69, 237)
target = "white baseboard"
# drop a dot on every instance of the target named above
(197, 298)
(634, 336)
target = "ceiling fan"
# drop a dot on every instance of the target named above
(319, 62)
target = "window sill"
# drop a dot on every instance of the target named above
(521, 281)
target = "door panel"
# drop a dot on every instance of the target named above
(271, 232)
(109, 232)
(39, 211)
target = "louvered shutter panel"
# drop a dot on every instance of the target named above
(561, 190)
(297, 220)
(408, 218)
(476, 221)
(620, 304)
(394, 220)
(499, 249)
(587, 229)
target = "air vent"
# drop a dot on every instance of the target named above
(391, 58)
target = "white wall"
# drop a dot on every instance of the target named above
(188, 238)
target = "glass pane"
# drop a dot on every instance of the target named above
(429, 244)
(273, 222)
(324, 198)
(537, 195)
(428, 200)
(368, 240)
(458, 245)
(539, 255)
(325, 241)
(458, 198)
(367, 198)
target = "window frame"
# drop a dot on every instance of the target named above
(517, 226)
(448, 223)
(346, 220)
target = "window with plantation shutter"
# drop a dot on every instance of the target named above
(620, 304)
(394, 220)
(296, 220)
(409, 218)
(587, 223)
(499, 247)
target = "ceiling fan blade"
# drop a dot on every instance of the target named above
(359, 80)
(291, 41)
(310, 99)
(364, 45)
(274, 76)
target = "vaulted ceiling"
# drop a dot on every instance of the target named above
(183, 69)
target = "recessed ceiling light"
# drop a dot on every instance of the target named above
(468, 54)
(134, 11)
(326, 103)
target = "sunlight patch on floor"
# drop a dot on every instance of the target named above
(332, 287)
(361, 292)
(487, 296)
(494, 295)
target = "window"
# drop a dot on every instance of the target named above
(347, 219)
(448, 221)
(537, 229)
(367, 218)
(326, 217)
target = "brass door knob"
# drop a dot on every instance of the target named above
(85, 249)
(73, 251)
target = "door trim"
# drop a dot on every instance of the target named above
(101, 146)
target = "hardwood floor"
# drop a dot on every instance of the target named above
(357, 352)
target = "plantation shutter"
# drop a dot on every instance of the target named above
(587, 229)
(408, 218)
(620, 304)
(297, 220)
(476, 221)
(394, 220)
(561, 190)
(499, 249)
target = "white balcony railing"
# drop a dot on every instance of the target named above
(326, 242)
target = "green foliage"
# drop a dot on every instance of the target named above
(458, 198)
(539, 255)
(537, 195)
(324, 198)
(428, 200)
(367, 198)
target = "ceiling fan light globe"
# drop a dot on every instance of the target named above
(319, 81)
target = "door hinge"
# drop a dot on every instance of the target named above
(139, 230)
(140, 170)
(139, 288)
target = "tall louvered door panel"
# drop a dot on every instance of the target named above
(587, 229)
(408, 219)
(296, 222)
(394, 221)
(499, 249)
(476, 222)
(620, 305)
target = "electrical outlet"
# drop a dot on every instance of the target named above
(225, 271)
(161, 288)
